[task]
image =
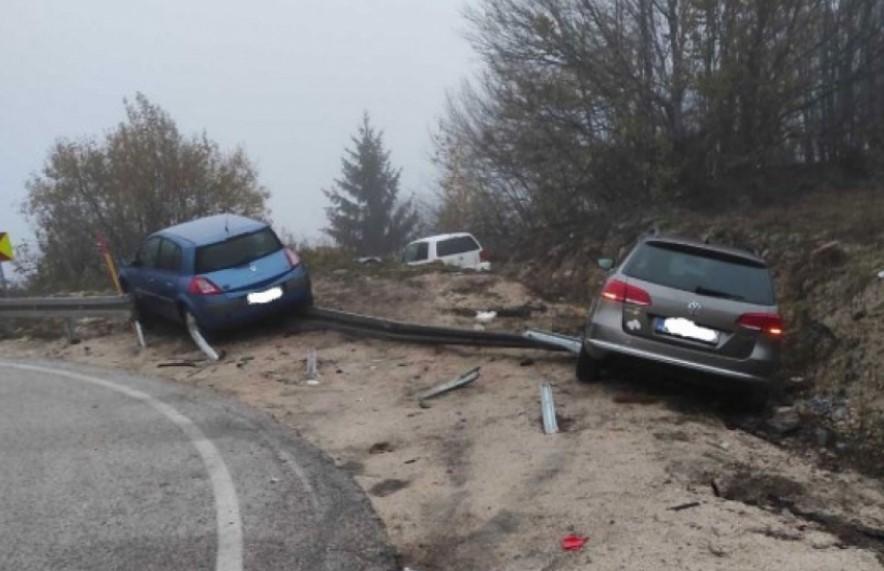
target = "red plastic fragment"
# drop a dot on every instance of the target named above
(573, 542)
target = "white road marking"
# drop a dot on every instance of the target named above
(229, 523)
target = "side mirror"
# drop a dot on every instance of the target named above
(606, 264)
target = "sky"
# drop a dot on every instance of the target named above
(286, 80)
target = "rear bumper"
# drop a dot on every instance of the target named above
(605, 336)
(232, 309)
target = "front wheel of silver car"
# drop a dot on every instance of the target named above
(587, 367)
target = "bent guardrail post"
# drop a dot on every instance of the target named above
(312, 368)
(548, 409)
(139, 334)
(461, 381)
(200, 341)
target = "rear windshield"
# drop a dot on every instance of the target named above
(236, 251)
(458, 245)
(701, 271)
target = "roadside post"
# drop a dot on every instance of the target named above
(5, 256)
(104, 251)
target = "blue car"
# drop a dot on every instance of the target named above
(216, 272)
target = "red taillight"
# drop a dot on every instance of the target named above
(615, 290)
(770, 323)
(293, 257)
(200, 285)
(483, 255)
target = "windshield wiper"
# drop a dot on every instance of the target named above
(715, 293)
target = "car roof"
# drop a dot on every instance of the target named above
(211, 229)
(438, 237)
(727, 250)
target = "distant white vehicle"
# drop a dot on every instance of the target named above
(459, 249)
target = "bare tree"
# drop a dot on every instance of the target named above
(142, 176)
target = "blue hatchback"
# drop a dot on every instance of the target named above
(220, 271)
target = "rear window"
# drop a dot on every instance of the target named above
(458, 245)
(701, 271)
(236, 251)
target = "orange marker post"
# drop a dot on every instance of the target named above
(104, 250)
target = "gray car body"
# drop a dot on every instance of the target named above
(741, 354)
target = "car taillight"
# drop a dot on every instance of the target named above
(483, 255)
(615, 290)
(293, 257)
(200, 285)
(770, 323)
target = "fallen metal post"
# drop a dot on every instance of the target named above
(139, 334)
(566, 342)
(548, 409)
(461, 381)
(200, 341)
(312, 369)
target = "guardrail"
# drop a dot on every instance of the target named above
(121, 307)
(65, 307)
(356, 324)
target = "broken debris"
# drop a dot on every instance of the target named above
(200, 341)
(176, 364)
(574, 542)
(485, 316)
(461, 381)
(548, 409)
(685, 506)
(312, 367)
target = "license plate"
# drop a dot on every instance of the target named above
(267, 296)
(681, 327)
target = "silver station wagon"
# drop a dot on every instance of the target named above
(705, 308)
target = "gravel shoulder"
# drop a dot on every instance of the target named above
(472, 482)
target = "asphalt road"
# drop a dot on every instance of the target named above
(103, 470)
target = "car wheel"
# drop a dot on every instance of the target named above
(587, 367)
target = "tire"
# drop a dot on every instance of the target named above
(587, 367)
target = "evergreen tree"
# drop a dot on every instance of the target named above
(366, 215)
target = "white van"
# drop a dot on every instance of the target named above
(460, 249)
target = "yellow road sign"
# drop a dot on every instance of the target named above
(5, 248)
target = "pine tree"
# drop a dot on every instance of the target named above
(366, 215)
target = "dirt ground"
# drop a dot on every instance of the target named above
(656, 475)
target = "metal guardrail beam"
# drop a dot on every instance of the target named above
(566, 342)
(356, 324)
(65, 307)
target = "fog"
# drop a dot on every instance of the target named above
(288, 81)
